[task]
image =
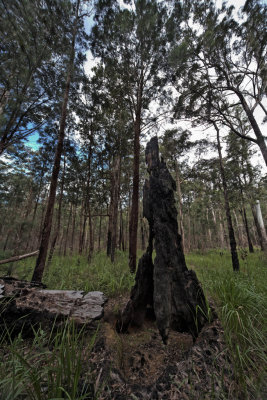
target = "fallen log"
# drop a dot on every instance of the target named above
(24, 304)
(18, 258)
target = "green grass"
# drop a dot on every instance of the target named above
(52, 366)
(75, 273)
(240, 299)
(241, 303)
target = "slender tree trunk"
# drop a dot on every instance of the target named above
(100, 231)
(259, 233)
(221, 231)
(40, 263)
(114, 205)
(181, 218)
(254, 124)
(121, 240)
(82, 232)
(91, 235)
(67, 232)
(235, 260)
(240, 235)
(189, 231)
(261, 224)
(245, 221)
(133, 226)
(73, 229)
(57, 230)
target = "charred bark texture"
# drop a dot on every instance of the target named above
(168, 286)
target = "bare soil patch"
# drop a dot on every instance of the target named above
(137, 365)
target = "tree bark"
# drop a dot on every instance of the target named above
(73, 229)
(178, 184)
(133, 226)
(166, 286)
(54, 240)
(235, 260)
(40, 263)
(260, 138)
(259, 233)
(67, 231)
(261, 224)
(245, 220)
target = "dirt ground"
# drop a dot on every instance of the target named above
(137, 365)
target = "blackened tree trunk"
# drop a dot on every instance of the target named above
(235, 260)
(40, 263)
(167, 286)
(133, 225)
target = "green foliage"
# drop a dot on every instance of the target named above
(51, 367)
(241, 303)
(75, 273)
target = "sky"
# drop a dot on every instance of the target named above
(197, 132)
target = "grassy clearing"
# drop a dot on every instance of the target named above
(241, 302)
(240, 298)
(75, 273)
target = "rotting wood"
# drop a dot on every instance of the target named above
(18, 258)
(167, 286)
(28, 303)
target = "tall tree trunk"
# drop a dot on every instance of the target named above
(259, 233)
(239, 230)
(82, 230)
(99, 231)
(122, 235)
(40, 263)
(73, 229)
(181, 218)
(133, 225)
(91, 235)
(67, 232)
(235, 260)
(261, 224)
(113, 209)
(245, 220)
(260, 138)
(221, 231)
(56, 233)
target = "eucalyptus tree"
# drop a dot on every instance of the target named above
(218, 66)
(34, 39)
(76, 30)
(244, 181)
(130, 42)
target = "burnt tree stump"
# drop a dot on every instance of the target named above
(167, 286)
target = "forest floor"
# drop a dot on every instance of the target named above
(228, 360)
(137, 365)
